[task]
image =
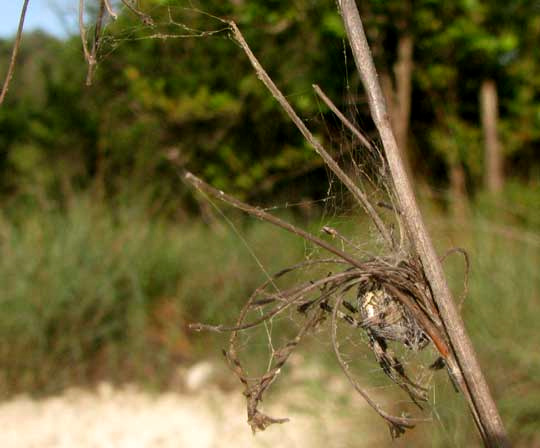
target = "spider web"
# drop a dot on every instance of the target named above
(260, 346)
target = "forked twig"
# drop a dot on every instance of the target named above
(358, 194)
(145, 18)
(14, 52)
(91, 55)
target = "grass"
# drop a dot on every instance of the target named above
(95, 291)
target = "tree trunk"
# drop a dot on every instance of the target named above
(402, 110)
(398, 95)
(458, 190)
(493, 174)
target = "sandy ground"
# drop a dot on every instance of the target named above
(204, 416)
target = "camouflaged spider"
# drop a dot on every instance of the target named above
(384, 318)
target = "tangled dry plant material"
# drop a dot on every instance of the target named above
(386, 296)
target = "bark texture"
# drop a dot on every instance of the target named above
(475, 387)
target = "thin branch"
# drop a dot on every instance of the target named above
(481, 402)
(261, 214)
(14, 52)
(90, 59)
(145, 18)
(343, 118)
(336, 169)
(110, 10)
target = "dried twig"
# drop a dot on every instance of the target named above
(145, 18)
(363, 139)
(358, 194)
(475, 387)
(261, 214)
(110, 10)
(90, 59)
(14, 52)
(403, 281)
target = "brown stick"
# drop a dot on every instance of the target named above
(90, 59)
(261, 214)
(14, 52)
(330, 162)
(482, 404)
(145, 18)
(342, 117)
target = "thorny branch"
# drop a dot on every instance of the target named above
(14, 52)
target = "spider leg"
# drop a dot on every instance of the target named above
(344, 316)
(303, 308)
(393, 368)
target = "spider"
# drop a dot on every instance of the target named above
(384, 318)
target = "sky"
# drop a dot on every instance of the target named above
(57, 17)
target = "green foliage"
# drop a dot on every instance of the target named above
(198, 98)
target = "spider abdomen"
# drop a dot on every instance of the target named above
(385, 317)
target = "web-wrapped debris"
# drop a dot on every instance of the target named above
(385, 302)
(381, 299)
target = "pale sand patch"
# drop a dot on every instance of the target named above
(129, 417)
(202, 416)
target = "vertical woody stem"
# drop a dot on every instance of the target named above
(481, 402)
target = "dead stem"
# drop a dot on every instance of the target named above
(14, 52)
(358, 194)
(261, 214)
(466, 366)
(363, 139)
